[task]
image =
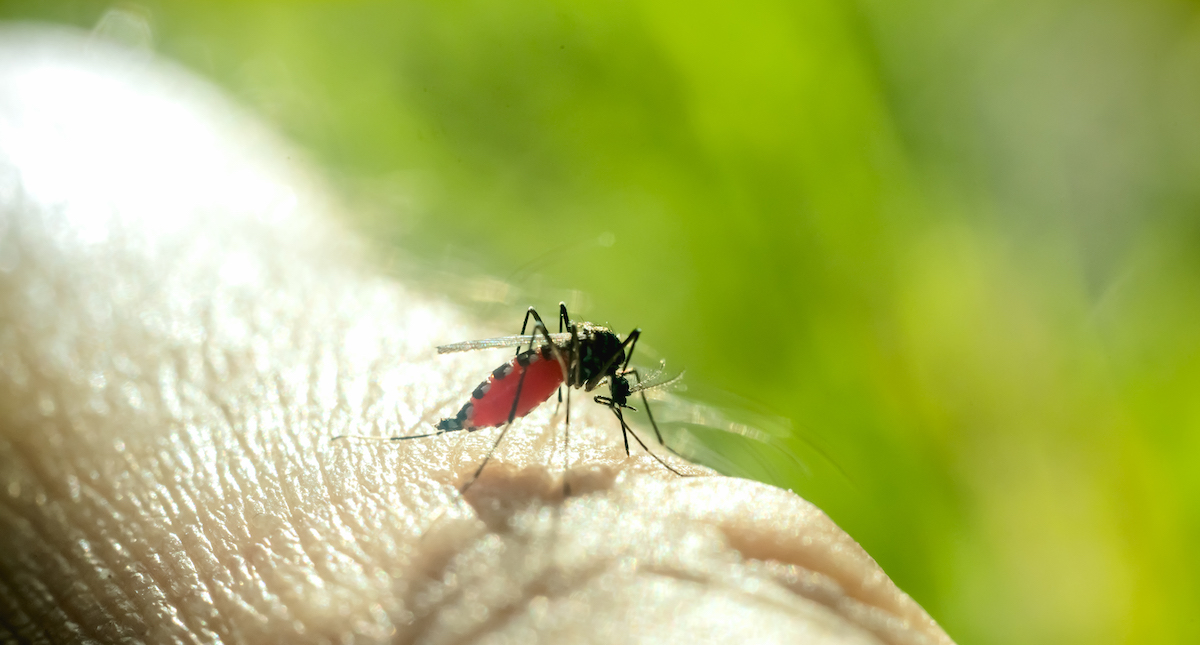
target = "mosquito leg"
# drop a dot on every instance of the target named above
(625, 428)
(525, 323)
(529, 313)
(555, 351)
(633, 336)
(631, 339)
(486, 459)
(567, 447)
(646, 407)
(540, 328)
(572, 380)
(361, 437)
(564, 321)
(564, 360)
(576, 350)
(512, 414)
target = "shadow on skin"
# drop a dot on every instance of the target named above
(183, 329)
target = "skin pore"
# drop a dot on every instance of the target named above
(183, 328)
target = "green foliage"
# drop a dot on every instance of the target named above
(954, 243)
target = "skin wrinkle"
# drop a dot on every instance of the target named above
(115, 550)
(57, 563)
(200, 357)
(282, 463)
(871, 592)
(667, 570)
(539, 586)
(348, 520)
(100, 586)
(192, 603)
(36, 592)
(12, 617)
(193, 551)
(830, 594)
(40, 526)
(177, 502)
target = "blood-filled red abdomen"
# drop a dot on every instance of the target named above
(492, 402)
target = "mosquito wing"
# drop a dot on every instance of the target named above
(657, 379)
(701, 432)
(535, 340)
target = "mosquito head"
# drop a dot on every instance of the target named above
(619, 389)
(618, 393)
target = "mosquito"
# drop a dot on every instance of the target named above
(581, 355)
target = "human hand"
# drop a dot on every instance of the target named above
(183, 329)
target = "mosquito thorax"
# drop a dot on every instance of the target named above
(600, 354)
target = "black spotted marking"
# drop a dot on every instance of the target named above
(460, 421)
(481, 390)
(523, 358)
(502, 371)
(547, 351)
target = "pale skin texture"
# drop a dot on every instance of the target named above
(182, 331)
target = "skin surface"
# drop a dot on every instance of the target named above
(182, 330)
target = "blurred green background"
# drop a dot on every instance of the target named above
(957, 244)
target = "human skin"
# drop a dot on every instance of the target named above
(184, 328)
